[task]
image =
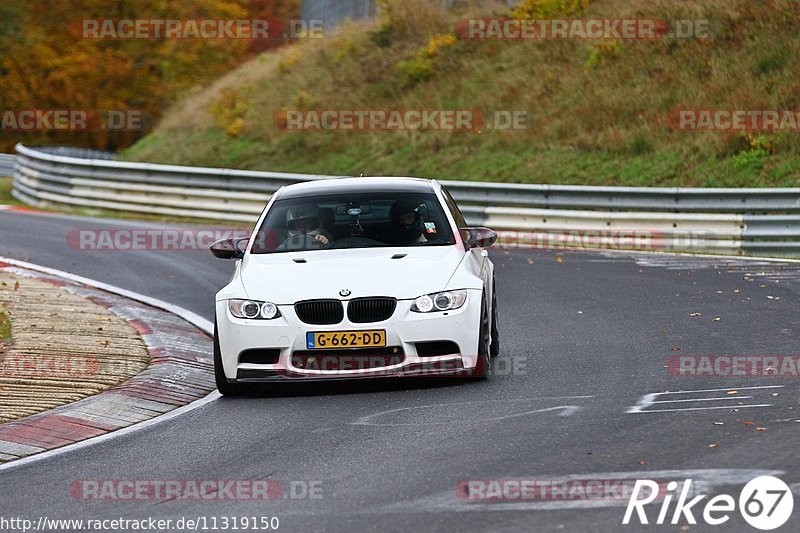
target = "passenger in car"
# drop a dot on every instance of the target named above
(407, 224)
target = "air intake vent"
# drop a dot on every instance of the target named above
(436, 348)
(321, 312)
(262, 356)
(364, 310)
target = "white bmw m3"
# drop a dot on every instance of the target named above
(356, 278)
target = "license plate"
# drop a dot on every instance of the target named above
(345, 339)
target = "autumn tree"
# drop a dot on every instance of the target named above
(47, 63)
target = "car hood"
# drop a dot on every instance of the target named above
(279, 278)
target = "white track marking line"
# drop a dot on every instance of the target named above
(185, 314)
(648, 400)
(725, 389)
(705, 399)
(704, 408)
(566, 410)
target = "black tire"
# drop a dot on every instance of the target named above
(494, 348)
(483, 369)
(225, 388)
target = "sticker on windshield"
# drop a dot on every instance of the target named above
(430, 227)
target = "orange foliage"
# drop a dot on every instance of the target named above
(46, 64)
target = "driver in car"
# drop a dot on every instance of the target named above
(305, 221)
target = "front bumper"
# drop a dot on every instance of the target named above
(403, 330)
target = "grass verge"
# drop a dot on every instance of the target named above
(5, 327)
(6, 184)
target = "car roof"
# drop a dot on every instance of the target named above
(355, 185)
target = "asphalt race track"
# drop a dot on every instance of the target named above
(585, 336)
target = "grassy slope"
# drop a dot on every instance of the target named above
(592, 124)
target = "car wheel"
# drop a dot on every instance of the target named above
(225, 388)
(483, 368)
(494, 349)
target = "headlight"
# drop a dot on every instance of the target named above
(439, 301)
(253, 309)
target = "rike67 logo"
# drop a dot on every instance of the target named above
(765, 503)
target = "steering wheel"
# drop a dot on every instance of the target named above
(301, 242)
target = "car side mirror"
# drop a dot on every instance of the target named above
(229, 248)
(478, 237)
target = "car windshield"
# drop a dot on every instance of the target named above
(353, 220)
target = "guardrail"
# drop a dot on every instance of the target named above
(81, 153)
(6, 164)
(731, 221)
